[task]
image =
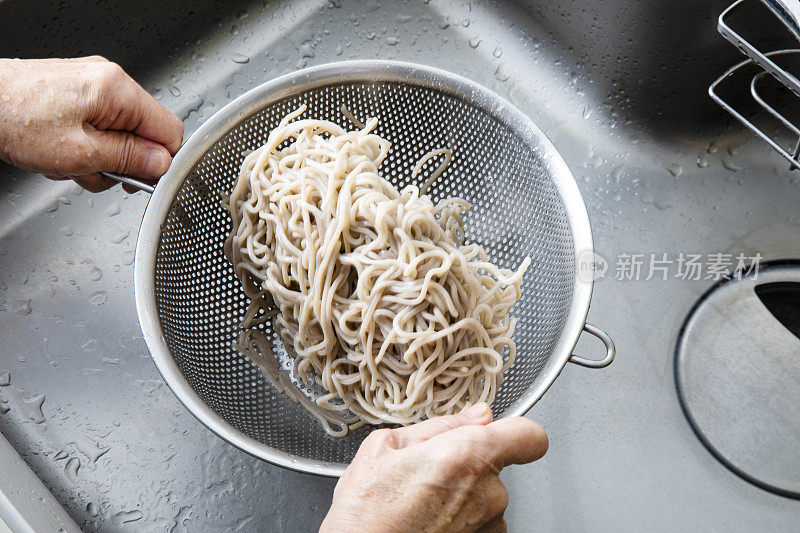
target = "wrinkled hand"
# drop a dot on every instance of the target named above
(73, 118)
(438, 475)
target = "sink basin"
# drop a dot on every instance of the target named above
(620, 89)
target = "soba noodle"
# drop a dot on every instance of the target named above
(372, 290)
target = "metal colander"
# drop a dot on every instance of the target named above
(525, 202)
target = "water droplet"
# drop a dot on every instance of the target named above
(21, 307)
(391, 41)
(371, 35)
(174, 91)
(501, 73)
(65, 230)
(664, 203)
(465, 23)
(89, 447)
(587, 112)
(674, 169)
(98, 298)
(127, 257)
(52, 207)
(307, 50)
(71, 469)
(181, 519)
(474, 42)
(91, 509)
(64, 200)
(5, 379)
(124, 517)
(31, 408)
(89, 346)
(116, 235)
(193, 106)
(113, 209)
(728, 163)
(61, 455)
(157, 94)
(339, 51)
(240, 58)
(111, 361)
(712, 148)
(149, 385)
(702, 160)
(95, 274)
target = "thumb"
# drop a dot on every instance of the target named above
(480, 413)
(130, 154)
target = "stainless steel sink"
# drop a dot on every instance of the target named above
(619, 87)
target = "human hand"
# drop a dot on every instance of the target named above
(438, 475)
(73, 118)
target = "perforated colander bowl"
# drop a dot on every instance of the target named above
(525, 203)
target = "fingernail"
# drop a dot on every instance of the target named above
(156, 162)
(478, 410)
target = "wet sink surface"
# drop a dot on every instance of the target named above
(660, 169)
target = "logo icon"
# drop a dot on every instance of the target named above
(591, 266)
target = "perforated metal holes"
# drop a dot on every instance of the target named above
(517, 211)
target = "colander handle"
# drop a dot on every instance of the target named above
(130, 181)
(596, 363)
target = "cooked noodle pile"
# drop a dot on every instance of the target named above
(371, 289)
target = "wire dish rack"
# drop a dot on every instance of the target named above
(788, 13)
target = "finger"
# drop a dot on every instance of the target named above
(156, 122)
(499, 444)
(124, 105)
(516, 441)
(480, 413)
(94, 59)
(492, 498)
(497, 525)
(94, 182)
(486, 501)
(129, 154)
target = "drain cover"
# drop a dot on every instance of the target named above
(738, 376)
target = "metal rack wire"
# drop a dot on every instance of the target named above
(788, 12)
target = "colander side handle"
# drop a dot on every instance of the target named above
(130, 181)
(606, 340)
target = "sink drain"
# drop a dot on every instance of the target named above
(738, 375)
